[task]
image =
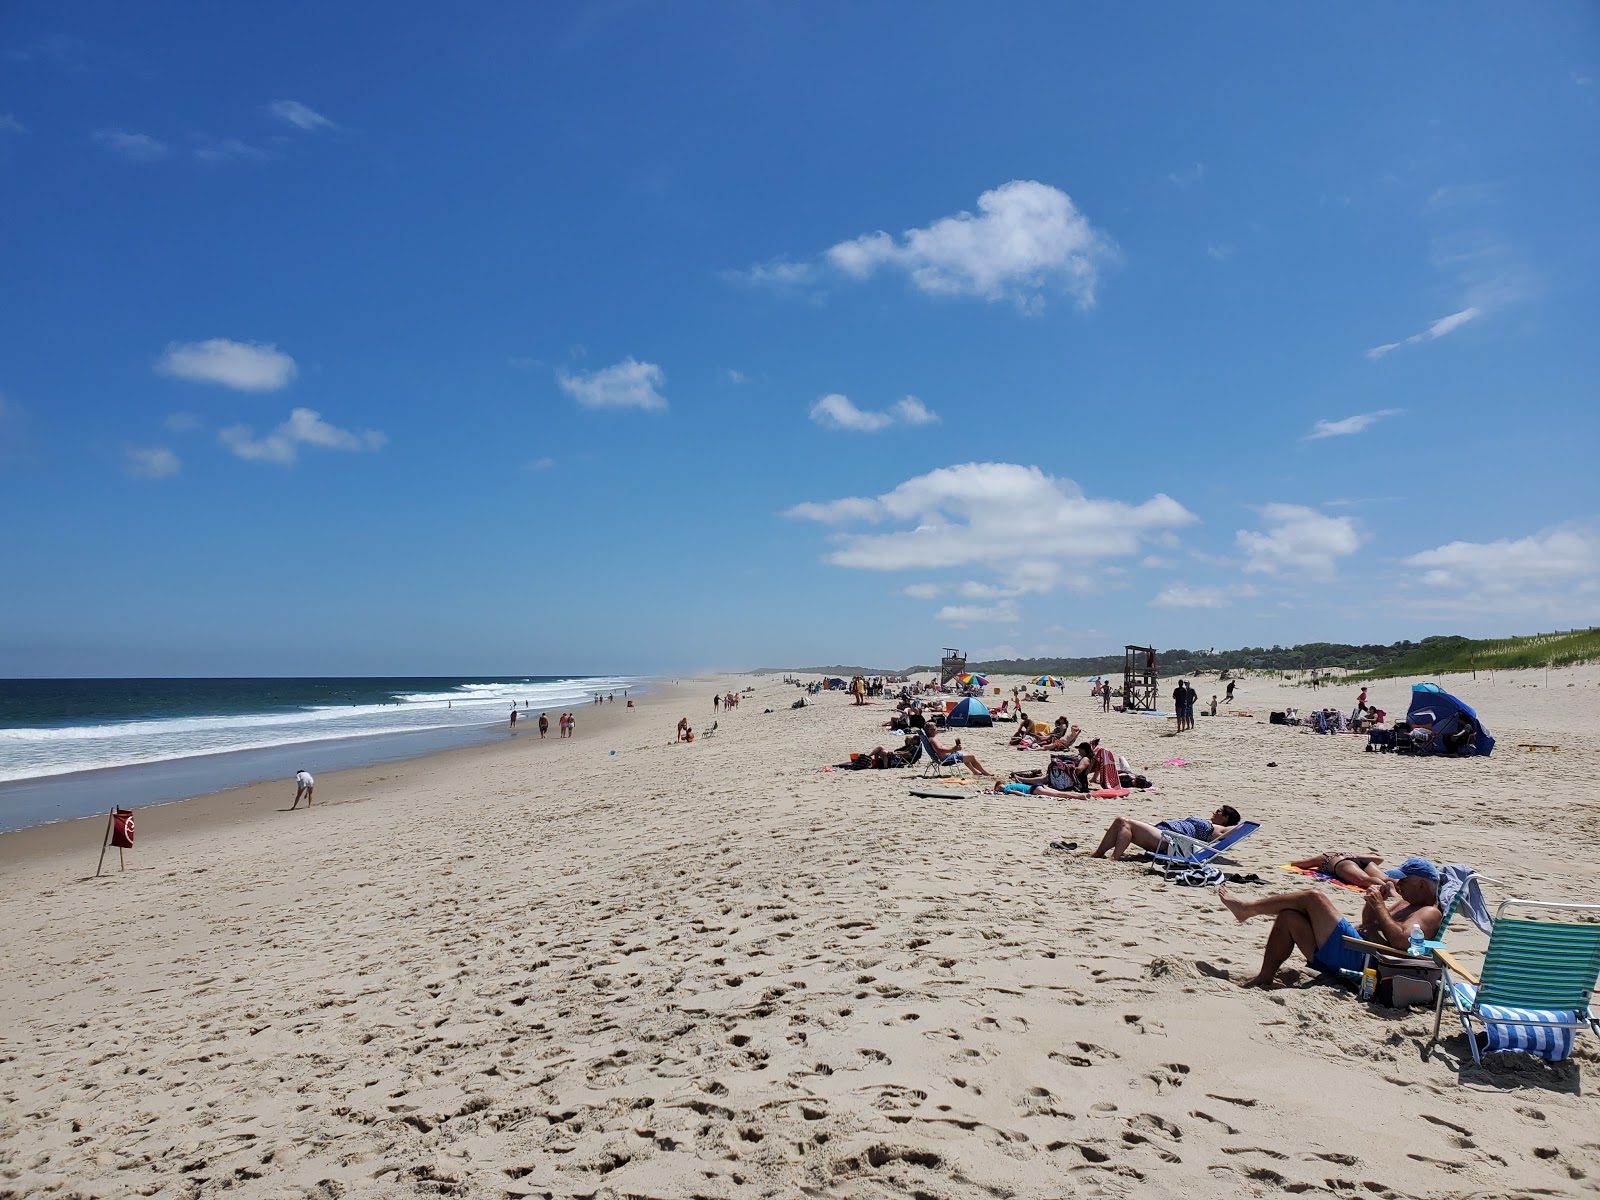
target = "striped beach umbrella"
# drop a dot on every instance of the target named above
(970, 680)
(1049, 681)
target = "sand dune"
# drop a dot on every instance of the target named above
(717, 970)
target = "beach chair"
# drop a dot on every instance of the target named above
(1537, 987)
(935, 765)
(1458, 888)
(1177, 852)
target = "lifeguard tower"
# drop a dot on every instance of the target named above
(952, 664)
(1139, 682)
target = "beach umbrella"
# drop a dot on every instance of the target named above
(970, 680)
(1048, 681)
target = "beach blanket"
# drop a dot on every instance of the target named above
(1175, 762)
(1321, 876)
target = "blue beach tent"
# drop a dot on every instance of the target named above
(970, 713)
(1436, 708)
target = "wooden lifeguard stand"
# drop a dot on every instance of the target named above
(1139, 682)
(952, 664)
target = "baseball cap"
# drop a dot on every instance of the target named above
(1419, 867)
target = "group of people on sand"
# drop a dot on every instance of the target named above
(1394, 901)
(729, 701)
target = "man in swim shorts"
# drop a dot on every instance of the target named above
(1308, 920)
(303, 783)
(1125, 831)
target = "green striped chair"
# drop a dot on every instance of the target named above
(1538, 982)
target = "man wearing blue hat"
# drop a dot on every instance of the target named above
(1310, 921)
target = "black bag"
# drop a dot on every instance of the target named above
(1279, 718)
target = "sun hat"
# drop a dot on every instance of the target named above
(1418, 867)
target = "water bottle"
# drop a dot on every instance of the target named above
(1416, 949)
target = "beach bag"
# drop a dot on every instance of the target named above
(1404, 987)
(1279, 718)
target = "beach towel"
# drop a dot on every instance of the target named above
(1451, 880)
(1504, 1033)
(1116, 793)
(1321, 876)
(1106, 763)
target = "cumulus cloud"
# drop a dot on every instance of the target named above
(135, 147)
(151, 462)
(301, 116)
(304, 427)
(1553, 574)
(243, 366)
(10, 124)
(1298, 539)
(181, 422)
(1350, 425)
(835, 411)
(1437, 330)
(924, 591)
(1036, 531)
(1026, 239)
(627, 384)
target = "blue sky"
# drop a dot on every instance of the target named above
(636, 337)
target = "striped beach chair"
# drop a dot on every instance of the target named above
(1537, 985)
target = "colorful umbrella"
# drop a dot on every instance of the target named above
(1049, 681)
(970, 680)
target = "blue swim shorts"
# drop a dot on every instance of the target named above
(1334, 955)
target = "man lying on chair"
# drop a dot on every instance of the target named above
(1310, 921)
(1125, 831)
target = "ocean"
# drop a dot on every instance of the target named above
(69, 745)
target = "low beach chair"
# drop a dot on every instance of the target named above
(935, 765)
(1539, 977)
(1178, 852)
(1458, 884)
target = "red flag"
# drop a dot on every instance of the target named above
(122, 828)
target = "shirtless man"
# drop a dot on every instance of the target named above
(957, 754)
(1125, 831)
(1309, 921)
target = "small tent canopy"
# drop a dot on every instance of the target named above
(835, 684)
(1437, 709)
(970, 713)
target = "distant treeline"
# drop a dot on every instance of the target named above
(1430, 656)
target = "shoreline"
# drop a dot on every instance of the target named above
(248, 803)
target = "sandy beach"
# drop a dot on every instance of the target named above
(620, 966)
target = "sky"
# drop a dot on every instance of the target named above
(645, 337)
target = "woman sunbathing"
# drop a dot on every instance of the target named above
(1358, 870)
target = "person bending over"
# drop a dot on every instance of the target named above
(1125, 831)
(1308, 920)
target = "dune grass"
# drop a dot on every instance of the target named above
(1443, 655)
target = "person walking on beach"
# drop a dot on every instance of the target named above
(1228, 699)
(544, 724)
(303, 783)
(572, 723)
(716, 703)
(1105, 695)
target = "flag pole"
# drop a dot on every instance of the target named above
(109, 818)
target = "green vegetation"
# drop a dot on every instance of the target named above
(1442, 655)
(1431, 656)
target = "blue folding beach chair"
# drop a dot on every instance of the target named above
(1178, 853)
(936, 764)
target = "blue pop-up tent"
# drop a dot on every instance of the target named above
(1436, 708)
(970, 713)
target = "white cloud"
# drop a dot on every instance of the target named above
(924, 591)
(1219, 251)
(1437, 330)
(1156, 562)
(1026, 239)
(1552, 575)
(182, 422)
(835, 411)
(299, 115)
(244, 366)
(224, 150)
(1181, 596)
(1298, 539)
(1037, 532)
(1350, 425)
(303, 428)
(151, 462)
(627, 384)
(541, 464)
(1188, 176)
(135, 147)
(1582, 78)
(10, 124)
(734, 376)
(968, 614)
